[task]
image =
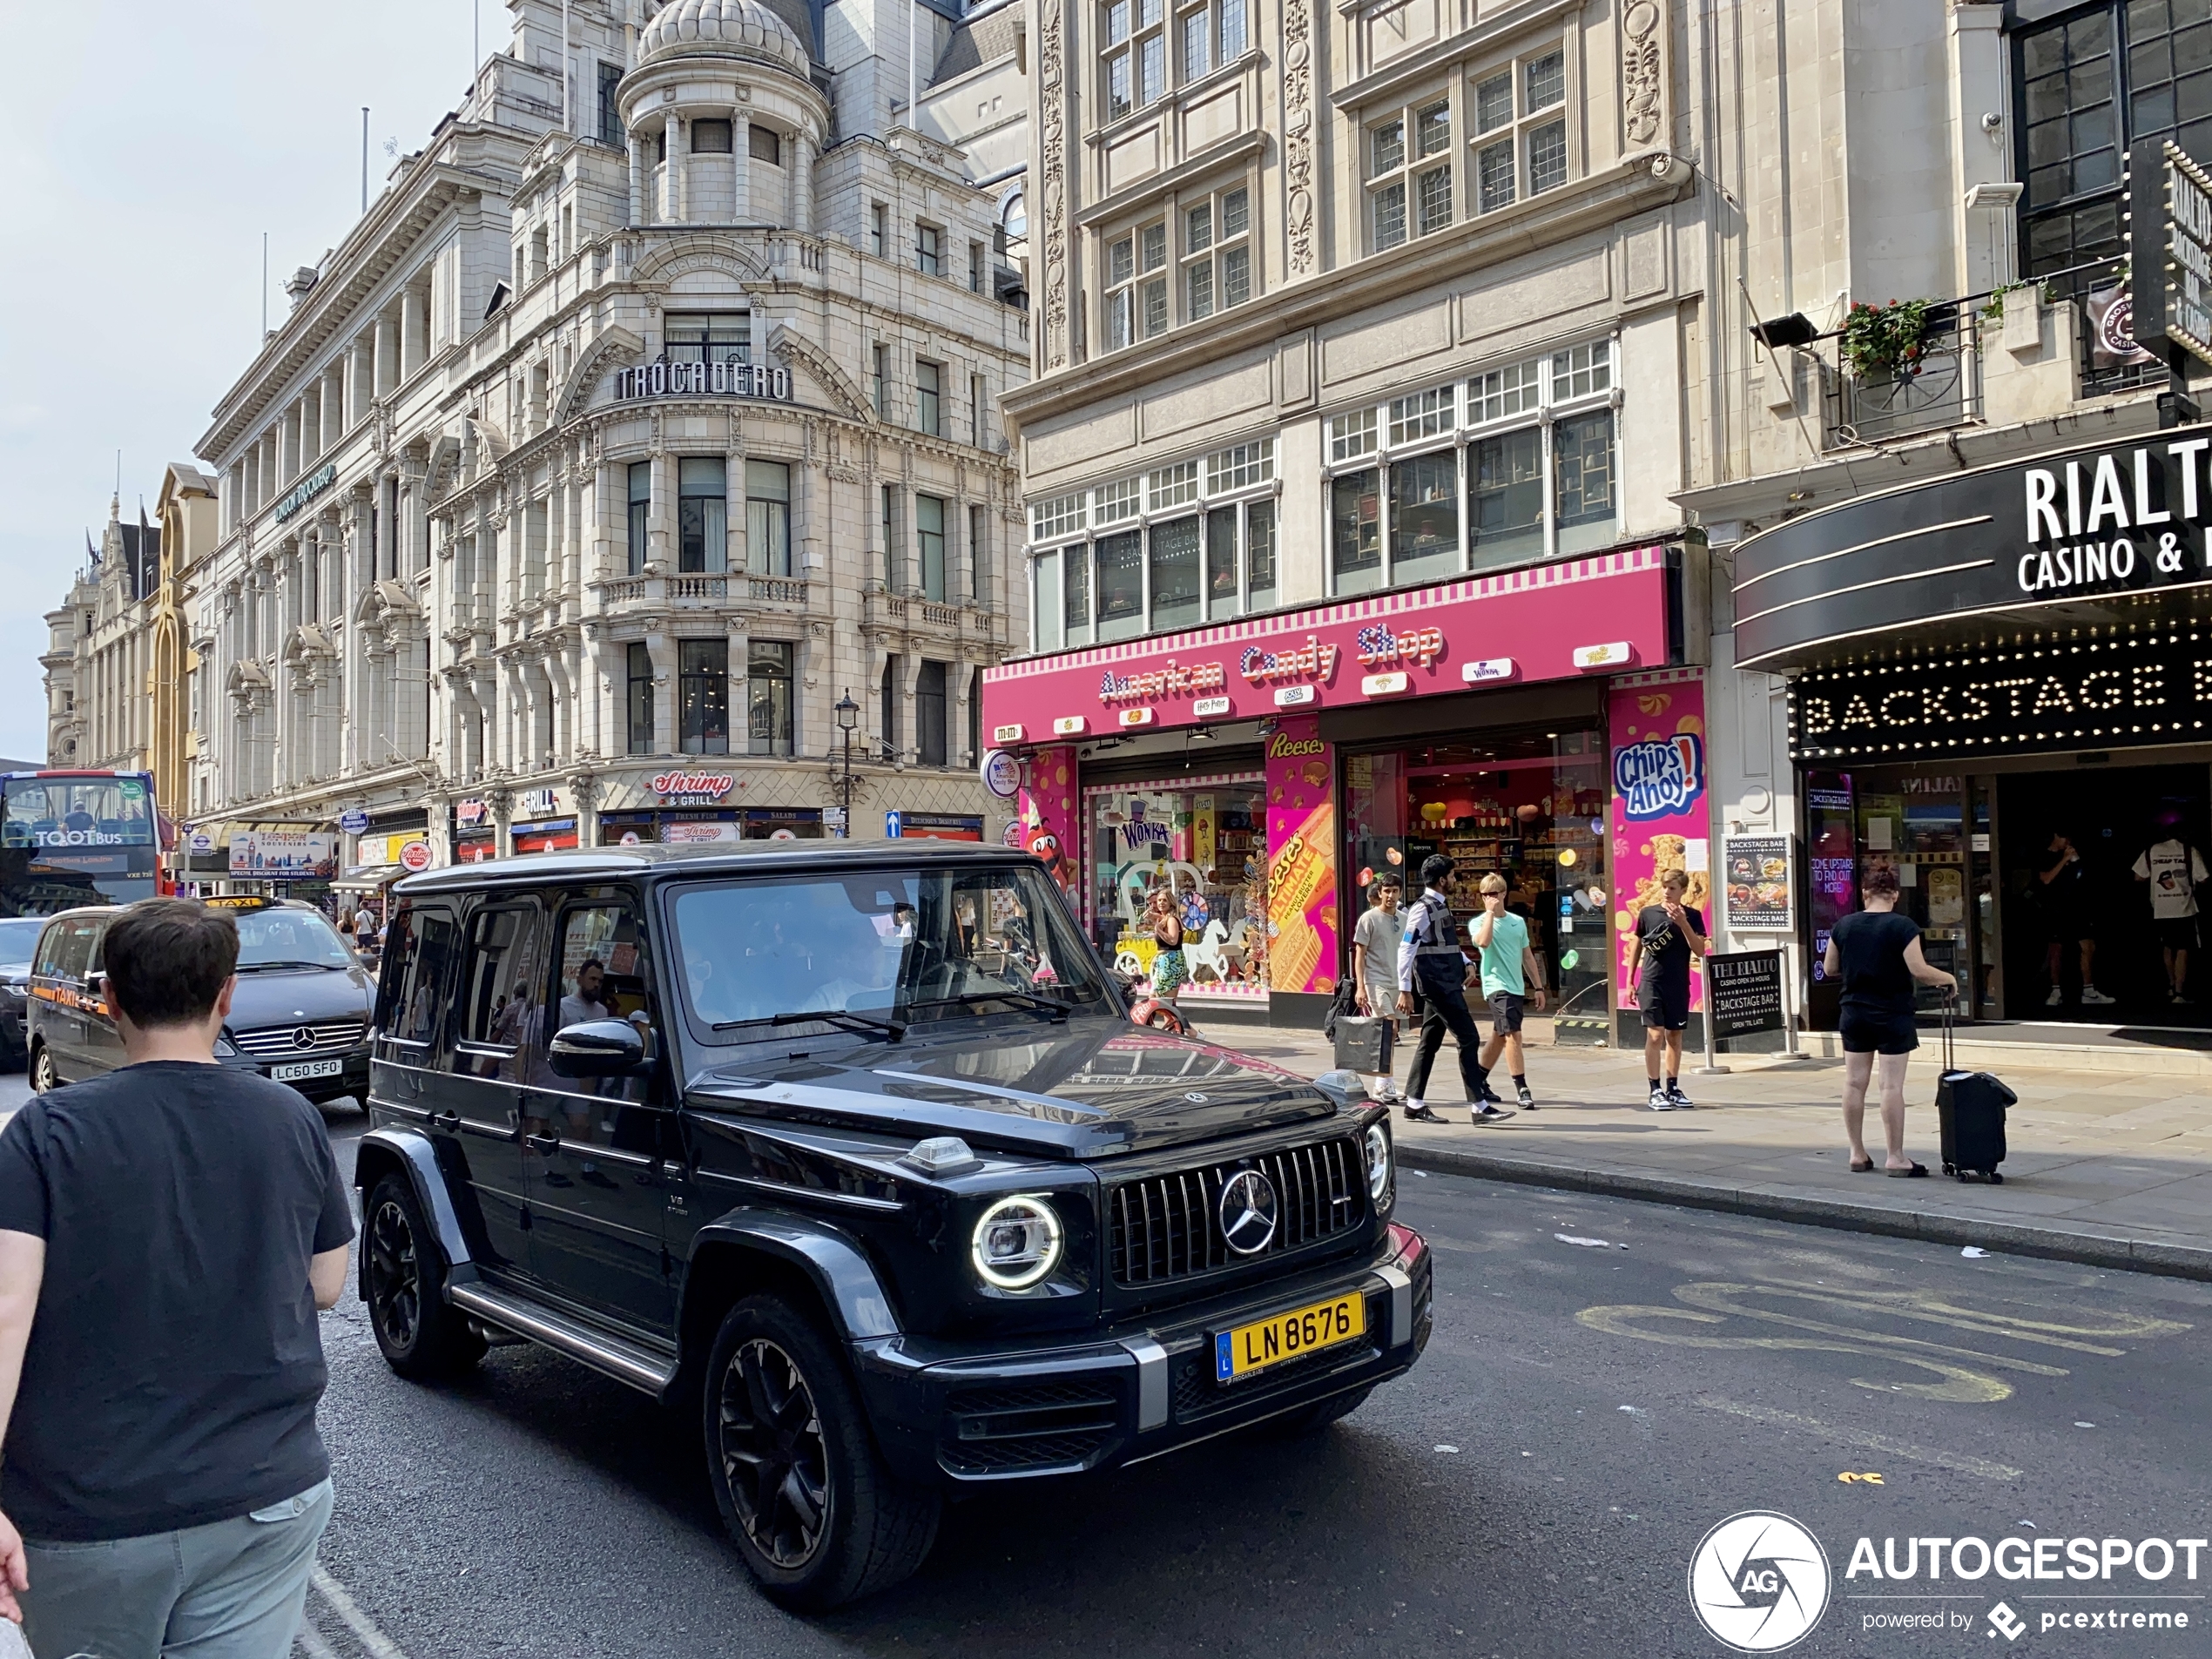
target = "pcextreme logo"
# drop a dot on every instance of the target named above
(1759, 1581)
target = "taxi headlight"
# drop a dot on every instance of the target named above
(1378, 1162)
(1016, 1244)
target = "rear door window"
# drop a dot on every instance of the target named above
(416, 981)
(503, 1015)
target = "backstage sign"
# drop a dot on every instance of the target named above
(2124, 690)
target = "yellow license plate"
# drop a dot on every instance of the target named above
(1253, 1347)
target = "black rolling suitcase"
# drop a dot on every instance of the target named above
(1970, 1106)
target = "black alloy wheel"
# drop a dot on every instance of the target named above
(394, 1275)
(774, 1460)
(421, 1334)
(803, 1491)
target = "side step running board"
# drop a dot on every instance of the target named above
(625, 1361)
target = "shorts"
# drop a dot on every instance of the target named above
(1169, 973)
(1664, 1007)
(2176, 933)
(1504, 1013)
(1875, 1031)
(2066, 927)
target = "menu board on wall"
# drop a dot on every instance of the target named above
(1658, 814)
(1758, 883)
(1301, 860)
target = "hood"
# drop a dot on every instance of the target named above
(306, 996)
(1089, 1088)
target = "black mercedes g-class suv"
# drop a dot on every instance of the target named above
(853, 1150)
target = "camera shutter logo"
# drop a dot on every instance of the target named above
(1759, 1581)
(1248, 1213)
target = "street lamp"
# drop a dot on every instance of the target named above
(848, 716)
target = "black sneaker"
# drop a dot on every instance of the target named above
(1676, 1098)
(1487, 1113)
(1489, 1097)
(1528, 1100)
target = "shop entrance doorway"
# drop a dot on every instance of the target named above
(2112, 819)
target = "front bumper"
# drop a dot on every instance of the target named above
(964, 1421)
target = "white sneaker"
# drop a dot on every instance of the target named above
(2054, 999)
(2092, 997)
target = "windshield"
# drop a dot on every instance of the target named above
(19, 938)
(895, 945)
(290, 936)
(76, 811)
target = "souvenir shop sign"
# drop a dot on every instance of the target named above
(2109, 521)
(1436, 639)
(2126, 689)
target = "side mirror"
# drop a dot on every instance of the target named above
(596, 1049)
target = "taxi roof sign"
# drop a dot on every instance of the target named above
(239, 901)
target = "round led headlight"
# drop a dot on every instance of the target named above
(1378, 1162)
(1017, 1243)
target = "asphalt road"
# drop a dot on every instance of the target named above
(1537, 1487)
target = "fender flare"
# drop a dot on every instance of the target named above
(414, 1154)
(831, 1260)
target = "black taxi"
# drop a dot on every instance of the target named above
(852, 1152)
(299, 1014)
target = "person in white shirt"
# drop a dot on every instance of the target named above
(2173, 870)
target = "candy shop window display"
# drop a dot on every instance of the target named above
(1205, 839)
(1530, 806)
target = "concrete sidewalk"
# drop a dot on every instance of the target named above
(2111, 1167)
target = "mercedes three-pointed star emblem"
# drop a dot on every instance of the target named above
(1248, 1213)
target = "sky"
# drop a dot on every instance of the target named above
(145, 147)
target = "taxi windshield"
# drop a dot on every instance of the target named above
(287, 936)
(888, 946)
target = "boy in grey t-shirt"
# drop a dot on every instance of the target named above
(1374, 962)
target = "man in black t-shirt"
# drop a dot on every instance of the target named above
(168, 1232)
(1667, 933)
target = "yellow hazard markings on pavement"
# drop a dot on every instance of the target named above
(1949, 1372)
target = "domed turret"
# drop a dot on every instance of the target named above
(720, 28)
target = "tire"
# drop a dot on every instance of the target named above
(423, 1336)
(786, 1438)
(1316, 1417)
(43, 1078)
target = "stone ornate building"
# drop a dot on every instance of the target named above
(653, 409)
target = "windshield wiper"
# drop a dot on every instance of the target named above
(891, 1028)
(247, 967)
(1025, 999)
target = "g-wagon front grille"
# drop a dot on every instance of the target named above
(1169, 1227)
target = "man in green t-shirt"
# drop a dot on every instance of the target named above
(1511, 977)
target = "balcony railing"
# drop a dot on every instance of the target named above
(1943, 389)
(693, 588)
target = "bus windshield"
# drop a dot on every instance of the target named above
(86, 810)
(68, 839)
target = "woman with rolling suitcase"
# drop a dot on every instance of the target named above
(1875, 955)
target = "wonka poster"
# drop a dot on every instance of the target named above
(1301, 860)
(1659, 818)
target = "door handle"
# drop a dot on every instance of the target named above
(447, 1121)
(547, 1145)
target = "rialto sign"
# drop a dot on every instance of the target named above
(2098, 522)
(1885, 573)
